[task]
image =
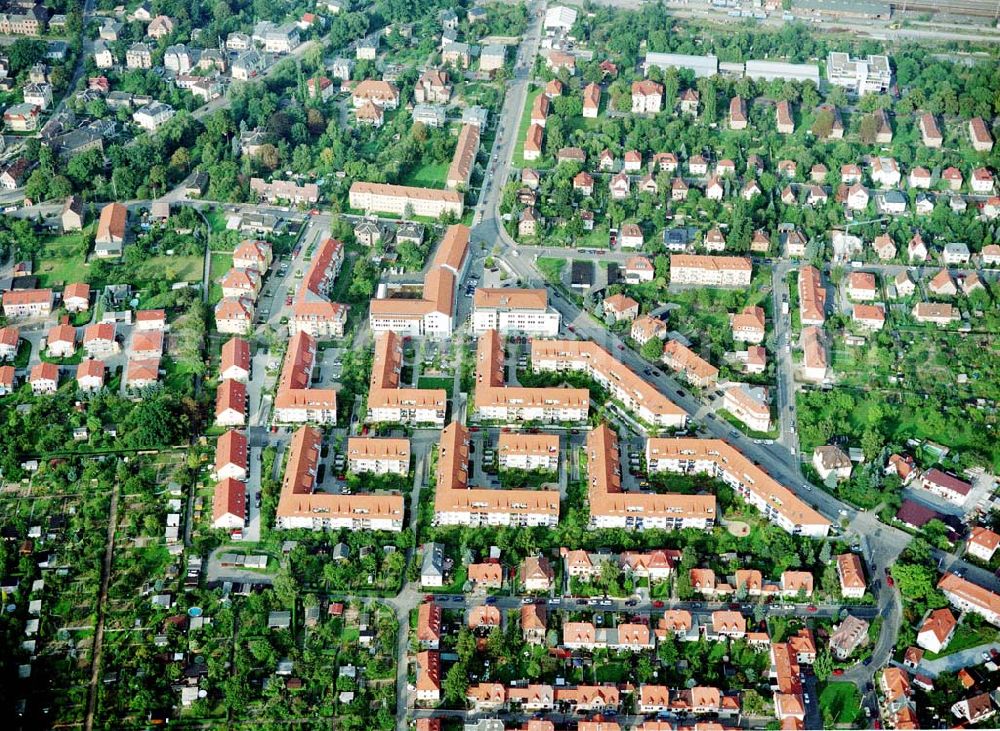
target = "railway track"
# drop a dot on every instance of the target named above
(978, 8)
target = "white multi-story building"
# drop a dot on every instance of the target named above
(969, 597)
(869, 76)
(749, 405)
(514, 311)
(378, 455)
(712, 271)
(518, 451)
(402, 200)
(722, 461)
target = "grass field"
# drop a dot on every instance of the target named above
(61, 260)
(842, 701)
(216, 219)
(551, 269)
(431, 175)
(221, 264)
(595, 239)
(172, 268)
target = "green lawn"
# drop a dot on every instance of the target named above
(217, 219)
(221, 263)
(172, 268)
(436, 382)
(61, 260)
(551, 268)
(595, 239)
(431, 175)
(841, 701)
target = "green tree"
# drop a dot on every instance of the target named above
(823, 665)
(456, 683)
(652, 349)
(465, 645)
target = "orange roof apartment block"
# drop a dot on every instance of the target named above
(720, 460)
(384, 455)
(635, 393)
(229, 504)
(387, 402)
(456, 503)
(812, 296)
(494, 401)
(235, 360)
(299, 506)
(681, 359)
(313, 312)
(612, 507)
(464, 159)
(295, 402)
(401, 199)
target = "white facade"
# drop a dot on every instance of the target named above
(869, 76)
(541, 323)
(434, 324)
(470, 516)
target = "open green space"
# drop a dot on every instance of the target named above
(221, 263)
(551, 268)
(597, 238)
(171, 268)
(430, 175)
(840, 703)
(62, 259)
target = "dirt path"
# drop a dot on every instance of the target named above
(95, 669)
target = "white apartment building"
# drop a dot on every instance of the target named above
(749, 405)
(528, 451)
(712, 271)
(522, 311)
(379, 456)
(403, 200)
(720, 460)
(872, 75)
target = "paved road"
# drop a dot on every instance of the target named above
(957, 660)
(782, 352)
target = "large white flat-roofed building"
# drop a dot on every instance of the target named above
(701, 65)
(771, 70)
(720, 460)
(872, 75)
(403, 200)
(509, 310)
(560, 17)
